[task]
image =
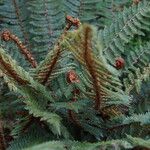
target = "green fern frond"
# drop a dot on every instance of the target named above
(138, 142)
(45, 30)
(135, 125)
(108, 10)
(52, 66)
(124, 144)
(141, 101)
(131, 22)
(18, 75)
(135, 79)
(83, 10)
(85, 49)
(137, 67)
(13, 20)
(143, 119)
(29, 89)
(73, 145)
(30, 138)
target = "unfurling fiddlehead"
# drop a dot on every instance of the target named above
(8, 36)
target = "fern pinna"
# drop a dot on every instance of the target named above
(74, 74)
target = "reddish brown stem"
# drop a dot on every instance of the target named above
(51, 66)
(10, 72)
(90, 65)
(53, 63)
(7, 36)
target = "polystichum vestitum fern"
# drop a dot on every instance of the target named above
(78, 73)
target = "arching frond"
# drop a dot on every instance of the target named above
(87, 51)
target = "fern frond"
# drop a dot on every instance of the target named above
(10, 70)
(52, 66)
(47, 21)
(135, 125)
(45, 70)
(108, 10)
(83, 47)
(17, 73)
(29, 89)
(30, 138)
(83, 10)
(10, 12)
(55, 63)
(143, 119)
(121, 32)
(8, 36)
(81, 146)
(132, 82)
(141, 101)
(131, 22)
(137, 68)
(139, 142)
(124, 144)
(20, 21)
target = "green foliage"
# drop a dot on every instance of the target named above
(129, 143)
(130, 23)
(31, 138)
(76, 98)
(105, 83)
(135, 70)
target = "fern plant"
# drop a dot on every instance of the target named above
(74, 74)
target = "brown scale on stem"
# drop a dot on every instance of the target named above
(51, 66)
(90, 66)
(10, 72)
(45, 74)
(8, 36)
